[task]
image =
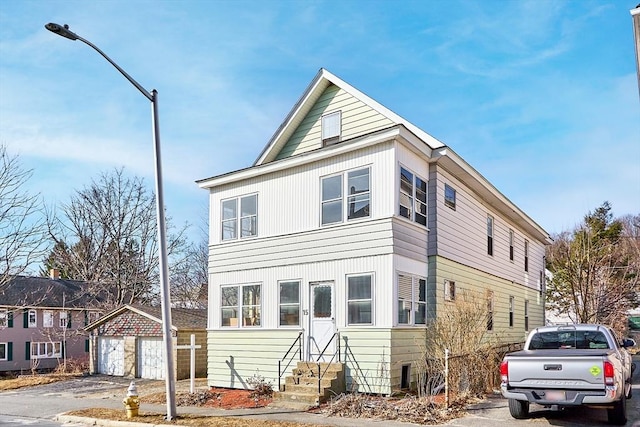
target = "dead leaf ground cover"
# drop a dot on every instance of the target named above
(32, 380)
(182, 420)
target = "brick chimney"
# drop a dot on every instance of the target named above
(54, 273)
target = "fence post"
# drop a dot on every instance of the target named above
(446, 377)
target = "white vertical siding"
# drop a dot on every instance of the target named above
(289, 201)
(381, 266)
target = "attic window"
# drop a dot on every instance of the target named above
(331, 126)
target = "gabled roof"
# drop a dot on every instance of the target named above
(181, 318)
(320, 82)
(413, 137)
(26, 291)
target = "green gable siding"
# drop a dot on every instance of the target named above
(357, 119)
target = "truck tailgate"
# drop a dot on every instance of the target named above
(553, 369)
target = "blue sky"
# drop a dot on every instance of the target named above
(541, 97)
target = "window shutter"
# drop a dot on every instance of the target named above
(25, 318)
(86, 317)
(86, 346)
(69, 319)
(9, 351)
(63, 349)
(10, 319)
(27, 350)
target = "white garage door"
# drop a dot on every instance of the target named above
(150, 360)
(111, 356)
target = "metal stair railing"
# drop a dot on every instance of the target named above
(298, 341)
(335, 336)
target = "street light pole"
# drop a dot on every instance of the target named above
(164, 270)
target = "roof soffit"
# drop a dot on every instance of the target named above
(450, 161)
(393, 133)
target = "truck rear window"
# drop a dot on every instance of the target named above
(554, 340)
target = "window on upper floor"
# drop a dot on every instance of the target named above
(290, 303)
(526, 255)
(240, 217)
(331, 128)
(449, 197)
(413, 197)
(489, 235)
(65, 319)
(241, 305)
(412, 300)
(360, 299)
(449, 290)
(511, 245)
(32, 317)
(47, 319)
(4, 318)
(358, 191)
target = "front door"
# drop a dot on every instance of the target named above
(323, 323)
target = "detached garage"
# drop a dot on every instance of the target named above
(128, 342)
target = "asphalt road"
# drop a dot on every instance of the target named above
(39, 406)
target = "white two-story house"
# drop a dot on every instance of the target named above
(349, 232)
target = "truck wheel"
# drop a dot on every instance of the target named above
(519, 409)
(618, 414)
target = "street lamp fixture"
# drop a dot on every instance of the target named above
(63, 30)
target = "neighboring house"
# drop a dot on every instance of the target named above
(352, 230)
(42, 321)
(128, 342)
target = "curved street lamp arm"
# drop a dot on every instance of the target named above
(64, 31)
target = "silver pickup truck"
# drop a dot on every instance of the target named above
(569, 365)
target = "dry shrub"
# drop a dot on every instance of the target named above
(408, 409)
(75, 366)
(461, 328)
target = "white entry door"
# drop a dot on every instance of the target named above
(111, 356)
(150, 360)
(323, 322)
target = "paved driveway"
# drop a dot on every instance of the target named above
(46, 401)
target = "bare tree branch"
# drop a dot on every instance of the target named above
(22, 224)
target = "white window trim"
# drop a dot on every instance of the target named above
(4, 318)
(512, 305)
(33, 324)
(490, 233)
(331, 127)
(372, 299)
(415, 294)
(6, 351)
(345, 196)
(448, 295)
(299, 304)
(414, 201)
(240, 306)
(47, 319)
(46, 355)
(64, 319)
(238, 218)
(512, 249)
(447, 202)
